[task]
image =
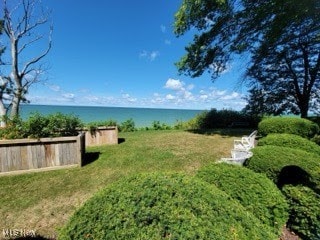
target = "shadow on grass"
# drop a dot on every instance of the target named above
(90, 157)
(226, 132)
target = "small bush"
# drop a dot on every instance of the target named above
(196, 122)
(286, 165)
(64, 124)
(292, 125)
(38, 126)
(13, 130)
(305, 211)
(156, 125)
(254, 191)
(127, 126)
(158, 206)
(290, 140)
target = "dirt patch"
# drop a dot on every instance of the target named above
(288, 235)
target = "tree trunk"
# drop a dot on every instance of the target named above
(3, 114)
(304, 108)
(16, 104)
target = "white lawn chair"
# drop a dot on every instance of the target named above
(237, 157)
(246, 142)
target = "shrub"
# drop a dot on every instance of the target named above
(53, 125)
(254, 191)
(286, 165)
(37, 126)
(127, 126)
(219, 119)
(305, 211)
(92, 126)
(290, 140)
(224, 118)
(196, 122)
(156, 125)
(292, 125)
(13, 130)
(158, 206)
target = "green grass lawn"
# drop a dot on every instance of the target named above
(44, 201)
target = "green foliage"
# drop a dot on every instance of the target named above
(285, 165)
(220, 119)
(197, 121)
(292, 125)
(158, 206)
(13, 129)
(37, 126)
(279, 35)
(156, 125)
(259, 195)
(305, 211)
(127, 126)
(53, 125)
(290, 140)
(92, 126)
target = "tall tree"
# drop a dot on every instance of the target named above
(3, 80)
(22, 27)
(282, 37)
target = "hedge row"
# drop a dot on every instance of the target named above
(305, 211)
(285, 165)
(158, 206)
(292, 125)
(292, 161)
(254, 191)
(291, 141)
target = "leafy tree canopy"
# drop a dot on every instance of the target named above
(282, 37)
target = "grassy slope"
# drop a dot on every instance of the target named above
(44, 201)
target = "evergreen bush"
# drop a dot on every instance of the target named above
(290, 140)
(305, 211)
(286, 165)
(127, 126)
(254, 191)
(292, 125)
(38, 126)
(158, 206)
(224, 118)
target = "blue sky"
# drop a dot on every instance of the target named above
(121, 53)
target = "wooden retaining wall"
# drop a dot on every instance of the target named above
(102, 136)
(28, 154)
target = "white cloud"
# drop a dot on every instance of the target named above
(167, 42)
(54, 88)
(170, 97)
(174, 84)
(128, 98)
(153, 55)
(150, 56)
(233, 95)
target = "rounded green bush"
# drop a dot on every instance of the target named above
(292, 125)
(290, 140)
(254, 191)
(158, 206)
(286, 165)
(305, 211)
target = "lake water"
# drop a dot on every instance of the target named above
(143, 117)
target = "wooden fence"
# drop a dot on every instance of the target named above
(28, 154)
(101, 136)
